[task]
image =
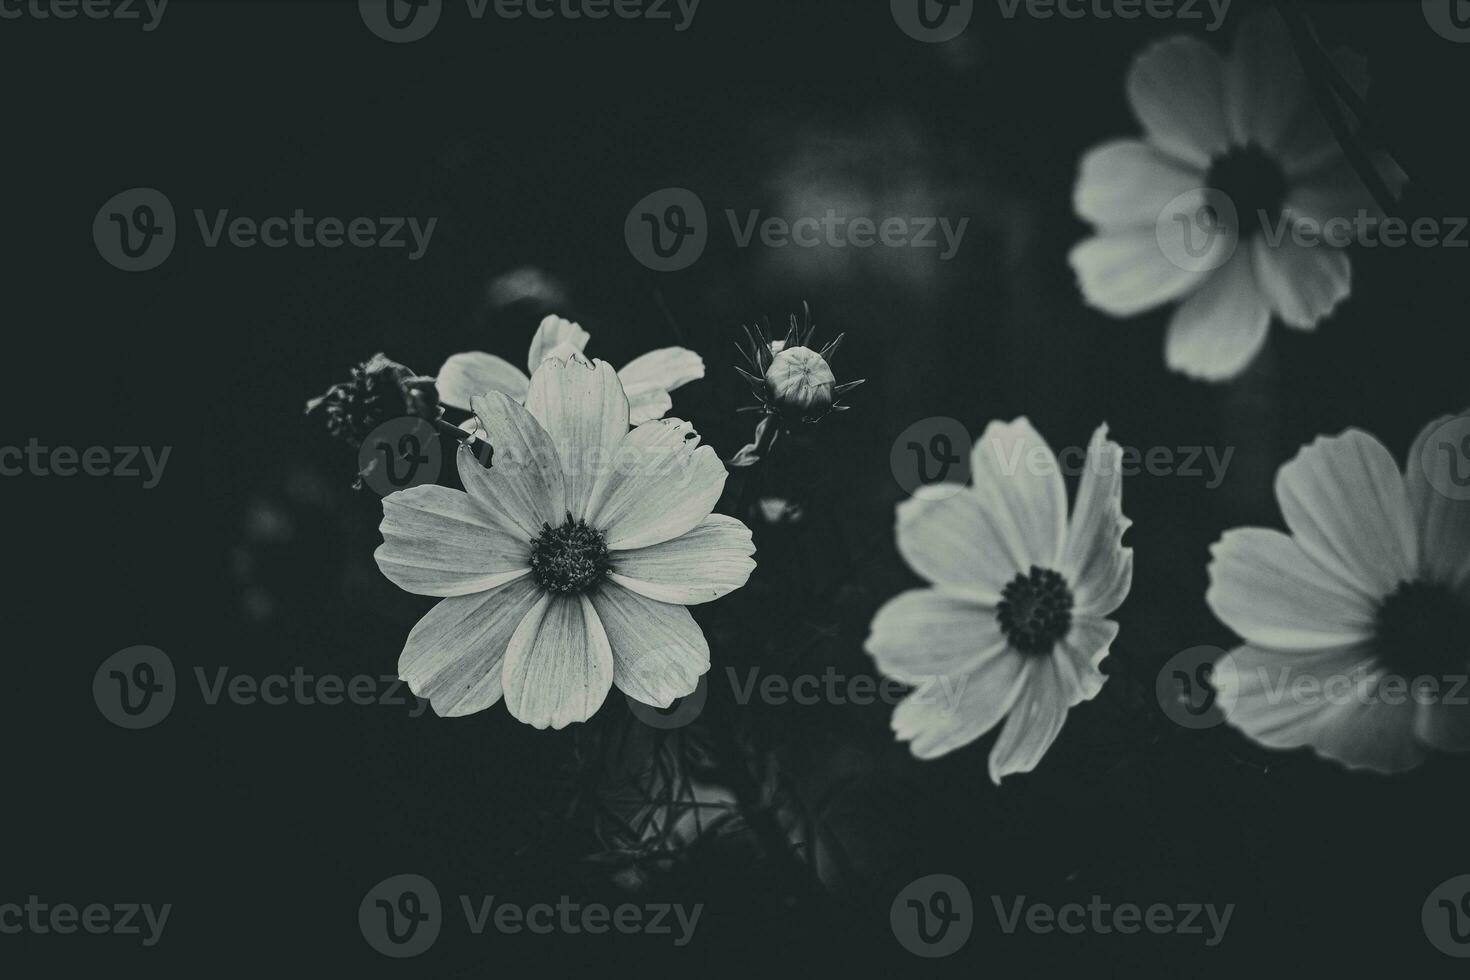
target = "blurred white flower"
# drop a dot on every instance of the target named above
(567, 564)
(1241, 135)
(647, 379)
(1014, 624)
(1357, 624)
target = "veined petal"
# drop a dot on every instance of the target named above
(940, 717)
(950, 538)
(1095, 563)
(1020, 486)
(1177, 90)
(1303, 283)
(1080, 653)
(711, 560)
(1326, 700)
(1033, 724)
(1346, 501)
(1217, 332)
(668, 368)
(927, 633)
(582, 407)
(1266, 89)
(466, 376)
(1266, 589)
(524, 483)
(558, 666)
(439, 542)
(1128, 183)
(660, 484)
(1124, 273)
(1443, 521)
(453, 656)
(659, 651)
(551, 334)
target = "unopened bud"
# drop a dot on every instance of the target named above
(801, 382)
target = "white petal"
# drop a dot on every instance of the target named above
(1266, 589)
(939, 718)
(660, 484)
(1303, 283)
(1125, 273)
(553, 332)
(1445, 724)
(659, 651)
(669, 368)
(1020, 487)
(453, 656)
(1219, 330)
(1346, 502)
(466, 376)
(923, 634)
(1127, 184)
(438, 541)
(1266, 88)
(581, 406)
(1078, 655)
(1095, 563)
(646, 403)
(1033, 724)
(559, 665)
(952, 539)
(1335, 193)
(1362, 731)
(1443, 521)
(1176, 88)
(524, 482)
(708, 562)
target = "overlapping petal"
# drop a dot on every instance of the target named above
(440, 542)
(558, 665)
(709, 561)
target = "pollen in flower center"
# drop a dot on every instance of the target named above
(1035, 610)
(569, 558)
(1253, 181)
(1424, 629)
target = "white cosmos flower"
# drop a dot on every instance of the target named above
(1014, 623)
(1241, 134)
(1346, 618)
(647, 380)
(567, 564)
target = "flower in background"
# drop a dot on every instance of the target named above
(379, 390)
(1357, 624)
(566, 565)
(1238, 145)
(647, 379)
(1013, 624)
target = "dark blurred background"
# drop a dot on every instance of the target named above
(265, 826)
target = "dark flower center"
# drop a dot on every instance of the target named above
(569, 558)
(1424, 630)
(1253, 181)
(1035, 610)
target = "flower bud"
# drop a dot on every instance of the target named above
(801, 382)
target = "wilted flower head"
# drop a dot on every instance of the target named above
(380, 390)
